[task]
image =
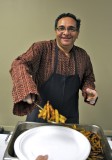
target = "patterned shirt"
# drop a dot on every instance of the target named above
(31, 69)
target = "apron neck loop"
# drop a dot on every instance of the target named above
(75, 60)
(56, 59)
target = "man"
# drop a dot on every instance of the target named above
(54, 71)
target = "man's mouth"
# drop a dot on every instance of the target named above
(66, 38)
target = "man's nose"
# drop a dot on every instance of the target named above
(66, 31)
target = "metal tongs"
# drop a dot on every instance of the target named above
(37, 105)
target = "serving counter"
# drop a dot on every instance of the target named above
(24, 126)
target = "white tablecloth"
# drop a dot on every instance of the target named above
(3, 144)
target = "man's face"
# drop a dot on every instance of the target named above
(66, 32)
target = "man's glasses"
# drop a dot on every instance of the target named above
(69, 29)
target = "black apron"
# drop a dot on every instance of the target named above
(62, 92)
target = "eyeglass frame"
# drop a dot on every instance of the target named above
(70, 29)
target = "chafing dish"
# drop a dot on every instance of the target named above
(24, 126)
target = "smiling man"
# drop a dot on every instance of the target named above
(66, 33)
(54, 71)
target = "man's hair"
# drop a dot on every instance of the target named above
(63, 15)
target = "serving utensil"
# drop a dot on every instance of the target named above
(37, 105)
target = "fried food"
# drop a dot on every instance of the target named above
(95, 141)
(51, 114)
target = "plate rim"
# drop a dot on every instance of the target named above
(29, 131)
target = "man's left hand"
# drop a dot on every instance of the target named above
(91, 96)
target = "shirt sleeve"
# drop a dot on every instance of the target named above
(88, 80)
(23, 71)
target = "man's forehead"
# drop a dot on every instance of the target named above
(67, 21)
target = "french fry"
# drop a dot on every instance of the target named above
(51, 114)
(95, 141)
(48, 112)
(62, 118)
(56, 116)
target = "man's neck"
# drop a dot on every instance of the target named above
(65, 49)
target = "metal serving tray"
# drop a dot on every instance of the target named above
(23, 126)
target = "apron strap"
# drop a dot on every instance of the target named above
(56, 59)
(75, 61)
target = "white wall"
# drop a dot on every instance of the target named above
(23, 22)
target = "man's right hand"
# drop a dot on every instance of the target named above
(42, 157)
(29, 98)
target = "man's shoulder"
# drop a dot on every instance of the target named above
(45, 42)
(80, 52)
(80, 49)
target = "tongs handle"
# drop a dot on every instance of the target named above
(37, 105)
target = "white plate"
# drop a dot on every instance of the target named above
(58, 142)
